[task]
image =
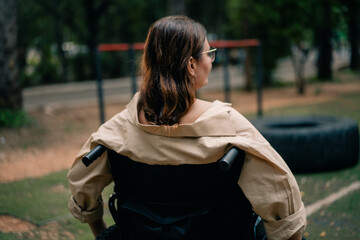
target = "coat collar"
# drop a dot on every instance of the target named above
(214, 122)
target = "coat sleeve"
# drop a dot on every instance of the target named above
(275, 197)
(86, 185)
(268, 183)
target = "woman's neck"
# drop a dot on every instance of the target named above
(195, 111)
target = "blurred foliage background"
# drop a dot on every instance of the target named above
(56, 40)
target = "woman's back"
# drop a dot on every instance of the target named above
(179, 202)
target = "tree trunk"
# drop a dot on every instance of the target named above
(299, 56)
(325, 55)
(248, 80)
(10, 87)
(93, 13)
(92, 25)
(353, 33)
(323, 35)
(58, 28)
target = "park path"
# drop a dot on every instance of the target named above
(81, 94)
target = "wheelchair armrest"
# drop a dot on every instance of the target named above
(113, 207)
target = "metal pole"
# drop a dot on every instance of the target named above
(99, 85)
(133, 70)
(259, 80)
(226, 75)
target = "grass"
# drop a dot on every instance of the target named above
(48, 191)
(13, 118)
(319, 185)
(43, 200)
(347, 105)
(341, 220)
(22, 137)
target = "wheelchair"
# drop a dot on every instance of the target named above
(163, 202)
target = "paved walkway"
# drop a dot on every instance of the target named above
(119, 90)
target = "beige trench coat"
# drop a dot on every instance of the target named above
(265, 179)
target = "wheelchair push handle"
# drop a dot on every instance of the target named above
(229, 158)
(225, 162)
(93, 155)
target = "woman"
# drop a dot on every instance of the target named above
(166, 124)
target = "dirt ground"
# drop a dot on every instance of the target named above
(26, 230)
(56, 135)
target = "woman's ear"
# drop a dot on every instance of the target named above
(191, 66)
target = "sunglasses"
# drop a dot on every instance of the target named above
(211, 53)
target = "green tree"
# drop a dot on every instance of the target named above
(278, 24)
(40, 29)
(127, 22)
(55, 12)
(10, 87)
(212, 14)
(290, 28)
(176, 7)
(51, 31)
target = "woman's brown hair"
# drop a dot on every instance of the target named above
(168, 89)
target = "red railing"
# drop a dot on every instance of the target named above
(218, 44)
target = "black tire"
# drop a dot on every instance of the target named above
(312, 143)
